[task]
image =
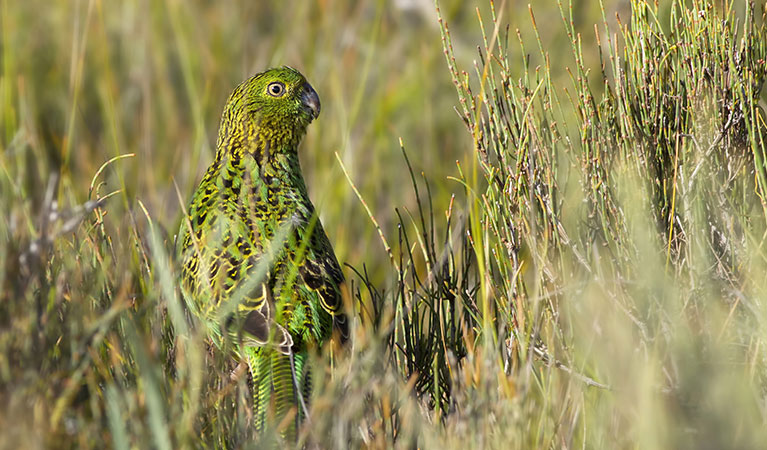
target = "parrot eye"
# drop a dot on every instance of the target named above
(276, 89)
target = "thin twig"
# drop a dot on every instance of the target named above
(550, 361)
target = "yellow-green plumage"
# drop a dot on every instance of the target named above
(256, 264)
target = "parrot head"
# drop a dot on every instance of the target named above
(279, 102)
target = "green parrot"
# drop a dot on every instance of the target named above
(256, 265)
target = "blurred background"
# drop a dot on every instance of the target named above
(85, 81)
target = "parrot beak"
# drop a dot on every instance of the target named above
(311, 100)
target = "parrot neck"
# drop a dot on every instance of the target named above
(269, 142)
